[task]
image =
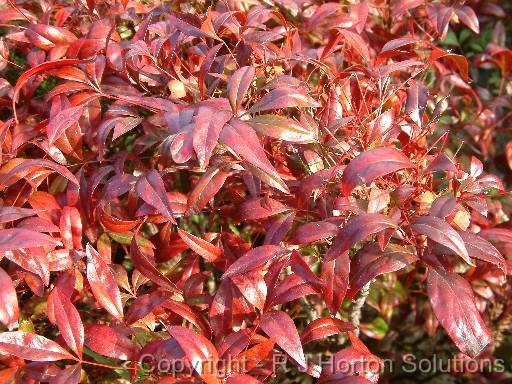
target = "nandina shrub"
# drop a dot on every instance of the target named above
(252, 191)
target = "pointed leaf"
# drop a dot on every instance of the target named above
(441, 232)
(145, 266)
(371, 262)
(357, 43)
(103, 284)
(279, 326)
(242, 139)
(454, 306)
(468, 17)
(254, 258)
(281, 128)
(284, 97)
(358, 228)
(205, 249)
(205, 189)
(324, 327)
(109, 341)
(238, 84)
(15, 238)
(372, 164)
(9, 310)
(33, 347)
(67, 319)
(151, 189)
(206, 131)
(62, 121)
(199, 351)
(481, 249)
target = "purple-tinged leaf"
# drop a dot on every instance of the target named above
(238, 85)
(33, 347)
(372, 164)
(468, 17)
(284, 97)
(15, 213)
(59, 123)
(279, 326)
(16, 238)
(441, 232)
(110, 341)
(9, 310)
(206, 131)
(67, 319)
(358, 228)
(324, 327)
(255, 258)
(454, 306)
(371, 262)
(151, 189)
(242, 139)
(281, 128)
(481, 249)
(103, 284)
(146, 266)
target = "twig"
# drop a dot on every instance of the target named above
(355, 311)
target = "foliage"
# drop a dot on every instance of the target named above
(212, 182)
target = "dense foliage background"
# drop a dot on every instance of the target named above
(224, 183)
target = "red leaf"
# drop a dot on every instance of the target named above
(256, 209)
(205, 189)
(71, 228)
(35, 70)
(358, 228)
(372, 164)
(205, 249)
(279, 326)
(371, 262)
(15, 213)
(199, 351)
(9, 311)
(15, 238)
(206, 131)
(145, 266)
(253, 259)
(242, 139)
(441, 232)
(417, 97)
(103, 284)
(145, 304)
(321, 328)
(34, 260)
(69, 375)
(335, 276)
(109, 341)
(27, 166)
(401, 6)
(282, 128)
(468, 17)
(237, 87)
(252, 286)
(151, 189)
(284, 97)
(481, 249)
(32, 347)
(454, 306)
(62, 121)
(357, 43)
(314, 231)
(68, 320)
